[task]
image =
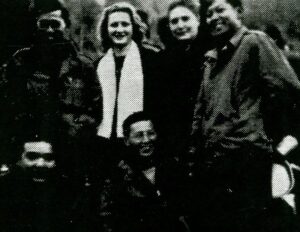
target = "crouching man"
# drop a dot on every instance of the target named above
(137, 197)
(33, 195)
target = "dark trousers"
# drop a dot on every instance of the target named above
(233, 193)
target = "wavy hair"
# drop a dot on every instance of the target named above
(139, 28)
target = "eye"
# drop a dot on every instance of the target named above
(48, 157)
(185, 18)
(32, 156)
(55, 24)
(220, 9)
(46, 23)
(114, 24)
(125, 24)
(138, 135)
(174, 21)
(43, 24)
(151, 133)
(209, 14)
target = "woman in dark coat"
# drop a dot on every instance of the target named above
(181, 74)
(126, 72)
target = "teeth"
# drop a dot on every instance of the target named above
(181, 32)
(146, 147)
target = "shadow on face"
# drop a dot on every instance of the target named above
(51, 27)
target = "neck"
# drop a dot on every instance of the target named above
(185, 45)
(221, 40)
(122, 50)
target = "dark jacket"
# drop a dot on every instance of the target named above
(130, 202)
(246, 96)
(150, 63)
(47, 96)
(58, 204)
(28, 206)
(180, 81)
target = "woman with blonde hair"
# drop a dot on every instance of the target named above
(127, 70)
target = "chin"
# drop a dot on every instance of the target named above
(183, 38)
(120, 43)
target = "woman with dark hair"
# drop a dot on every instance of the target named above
(126, 71)
(181, 65)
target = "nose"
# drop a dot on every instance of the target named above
(120, 28)
(146, 138)
(50, 29)
(40, 162)
(180, 23)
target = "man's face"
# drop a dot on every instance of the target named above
(142, 138)
(222, 18)
(183, 23)
(120, 29)
(51, 27)
(39, 166)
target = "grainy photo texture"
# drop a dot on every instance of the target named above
(149, 116)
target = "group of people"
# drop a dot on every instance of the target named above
(142, 139)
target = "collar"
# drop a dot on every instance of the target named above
(237, 37)
(231, 44)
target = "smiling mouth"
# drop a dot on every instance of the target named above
(181, 33)
(218, 24)
(119, 36)
(147, 149)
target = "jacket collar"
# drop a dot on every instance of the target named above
(213, 54)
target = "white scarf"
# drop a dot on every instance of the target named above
(131, 90)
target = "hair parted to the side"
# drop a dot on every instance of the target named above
(189, 4)
(139, 28)
(133, 118)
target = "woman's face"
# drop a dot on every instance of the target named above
(120, 29)
(183, 23)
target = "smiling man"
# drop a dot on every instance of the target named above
(33, 195)
(138, 196)
(242, 113)
(140, 135)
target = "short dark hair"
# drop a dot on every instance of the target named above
(43, 7)
(133, 118)
(139, 28)
(234, 3)
(184, 3)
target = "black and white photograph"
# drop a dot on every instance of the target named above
(149, 115)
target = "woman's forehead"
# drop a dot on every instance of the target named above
(119, 16)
